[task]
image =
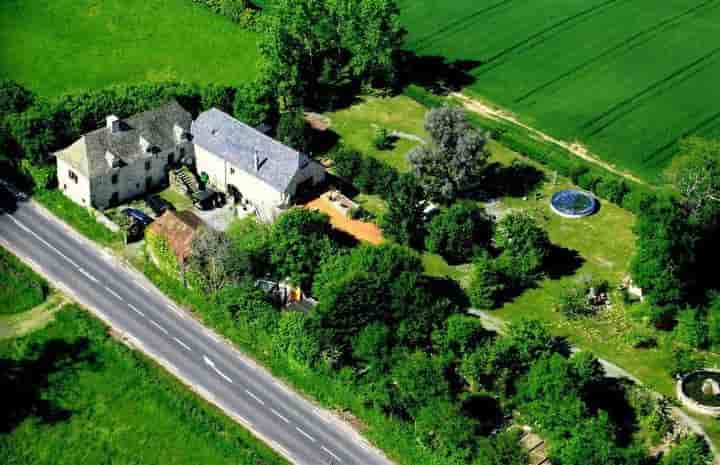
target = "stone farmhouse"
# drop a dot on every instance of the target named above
(251, 167)
(126, 158)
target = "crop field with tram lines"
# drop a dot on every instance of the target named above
(626, 78)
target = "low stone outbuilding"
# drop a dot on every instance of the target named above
(169, 238)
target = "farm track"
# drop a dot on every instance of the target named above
(476, 106)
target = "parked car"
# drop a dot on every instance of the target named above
(158, 205)
(137, 216)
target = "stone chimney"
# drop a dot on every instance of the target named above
(112, 122)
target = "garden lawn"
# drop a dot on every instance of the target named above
(20, 288)
(104, 403)
(357, 124)
(628, 79)
(74, 45)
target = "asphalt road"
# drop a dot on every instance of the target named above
(125, 300)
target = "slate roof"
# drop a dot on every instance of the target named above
(87, 154)
(179, 229)
(237, 143)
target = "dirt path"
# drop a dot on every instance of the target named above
(576, 149)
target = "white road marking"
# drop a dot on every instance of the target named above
(87, 275)
(22, 226)
(300, 430)
(183, 344)
(159, 326)
(134, 309)
(117, 296)
(259, 400)
(331, 454)
(277, 414)
(211, 364)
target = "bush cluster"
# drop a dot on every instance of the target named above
(241, 12)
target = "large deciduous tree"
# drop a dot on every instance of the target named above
(524, 245)
(454, 158)
(458, 232)
(317, 50)
(696, 175)
(404, 220)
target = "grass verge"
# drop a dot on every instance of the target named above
(92, 400)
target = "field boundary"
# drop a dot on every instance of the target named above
(476, 106)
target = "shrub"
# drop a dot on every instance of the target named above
(583, 298)
(458, 232)
(382, 139)
(691, 329)
(486, 285)
(684, 361)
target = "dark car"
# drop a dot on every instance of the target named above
(138, 216)
(158, 205)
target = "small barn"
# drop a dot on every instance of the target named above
(169, 238)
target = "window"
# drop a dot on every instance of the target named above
(64, 187)
(182, 152)
(171, 158)
(148, 164)
(73, 176)
(114, 178)
(232, 170)
(148, 182)
(114, 199)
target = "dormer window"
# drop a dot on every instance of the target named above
(145, 146)
(112, 160)
(180, 134)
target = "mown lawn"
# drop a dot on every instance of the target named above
(20, 288)
(80, 397)
(73, 45)
(626, 78)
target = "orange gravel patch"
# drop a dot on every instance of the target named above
(368, 232)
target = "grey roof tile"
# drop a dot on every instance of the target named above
(238, 144)
(156, 126)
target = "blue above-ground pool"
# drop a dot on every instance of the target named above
(572, 203)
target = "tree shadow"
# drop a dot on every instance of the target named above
(435, 73)
(561, 262)
(486, 410)
(25, 382)
(517, 180)
(323, 141)
(447, 288)
(610, 396)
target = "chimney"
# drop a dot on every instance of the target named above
(112, 122)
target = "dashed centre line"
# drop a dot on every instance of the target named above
(115, 294)
(331, 454)
(301, 431)
(185, 346)
(259, 400)
(160, 327)
(135, 309)
(279, 415)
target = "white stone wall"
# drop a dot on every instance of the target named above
(78, 191)
(131, 178)
(221, 174)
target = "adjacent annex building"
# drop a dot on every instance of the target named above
(126, 157)
(249, 166)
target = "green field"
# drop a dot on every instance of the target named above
(20, 288)
(80, 397)
(71, 45)
(628, 79)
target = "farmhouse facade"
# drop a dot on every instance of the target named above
(126, 157)
(251, 167)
